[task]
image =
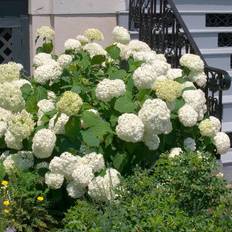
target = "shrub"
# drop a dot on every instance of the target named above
(184, 193)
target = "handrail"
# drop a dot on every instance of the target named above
(160, 25)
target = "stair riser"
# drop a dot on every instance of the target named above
(221, 61)
(123, 19)
(194, 20)
(227, 112)
(200, 5)
(206, 40)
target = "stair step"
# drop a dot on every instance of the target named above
(227, 112)
(227, 158)
(227, 126)
(213, 51)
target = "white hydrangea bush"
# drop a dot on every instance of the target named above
(90, 115)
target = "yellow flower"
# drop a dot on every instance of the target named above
(40, 198)
(5, 183)
(6, 210)
(6, 203)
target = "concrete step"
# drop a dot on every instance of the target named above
(123, 19)
(227, 158)
(199, 5)
(227, 113)
(227, 127)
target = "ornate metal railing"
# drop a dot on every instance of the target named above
(161, 26)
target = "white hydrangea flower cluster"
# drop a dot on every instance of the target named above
(5, 116)
(70, 103)
(121, 35)
(44, 106)
(130, 128)
(64, 60)
(80, 172)
(72, 44)
(102, 188)
(43, 143)
(45, 32)
(144, 76)
(42, 59)
(155, 116)
(93, 34)
(58, 124)
(209, 127)
(9, 72)
(174, 152)
(108, 89)
(94, 49)
(190, 144)
(192, 62)
(21, 160)
(222, 142)
(174, 73)
(47, 73)
(82, 39)
(11, 97)
(133, 47)
(20, 127)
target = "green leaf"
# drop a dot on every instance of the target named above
(90, 139)
(98, 59)
(113, 51)
(90, 118)
(72, 129)
(125, 105)
(120, 161)
(179, 104)
(40, 93)
(26, 91)
(31, 104)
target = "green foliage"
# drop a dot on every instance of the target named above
(178, 194)
(26, 212)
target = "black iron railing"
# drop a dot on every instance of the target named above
(161, 26)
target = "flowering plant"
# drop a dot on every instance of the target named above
(91, 113)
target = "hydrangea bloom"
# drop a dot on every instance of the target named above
(72, 44)
(161, 67)
(187, 115)
(43, 143)
(9, 72)
(102, 188)
(108, 89)
(155, 116)
(42, 59)
(70, 103)
(144, 76)
(95, 161)
(222, 142)
(11, 97)
(209, 127)
(21, 125)
(93, 34)
(195, 98)
(47, 72)
(12, 141)
(168, 90)
(64, 60)
(58, 125)
(82, 39)
(54, 180)
(174, 73)
(45, 106)
(133, 47)
(121, 35)
(199, 78)
(22, 160)
(190, 144)
(45, 32)
(94, 49)
(147, 57)
(192, 62)
(82, 175)
(5, 116)
(74, 190)
(176, 151)
(130, 128)
(151, 140)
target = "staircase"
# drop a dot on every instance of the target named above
(210, 24)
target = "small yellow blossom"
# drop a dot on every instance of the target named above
(6, 203)
(6, 210)
(5, 183)
(40, 198)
